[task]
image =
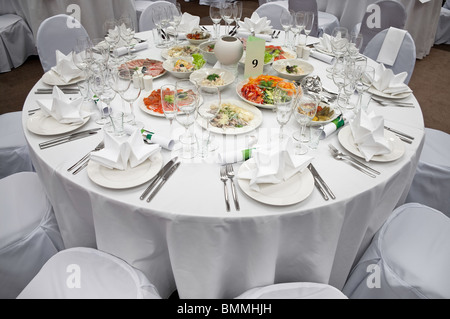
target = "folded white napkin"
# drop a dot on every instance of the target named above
(65, 68)
(62, 109)
(274, 164)
(391, 46)
(387, 82)
(136, 48)
(325, 43)
(246, 34)
(322, 57)
(188, 23)
(368, 133)
(118, 152)
(256, 24)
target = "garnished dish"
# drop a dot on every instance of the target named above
(279, 53)
(152, 103)
(184, 66)
(325, 114)
(292, 69)
(207, 49)
(259, 90)
(198, 35)
(210, 78)
(232, 116)
(144, 66)
(179, 51)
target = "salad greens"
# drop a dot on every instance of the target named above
(199, 61)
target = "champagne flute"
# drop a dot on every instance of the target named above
(300, 24)
(175, 20)
(286, 21)
(216, 17)
(104, 93)
(366, 75)
(304, 111)
(338, 77)
(226, 11)
(127, 32)
(339, 42)
(355, 44)
(112, 35)
(284, 96)
(237, 13)
(131, 89)
(208, 110)
(100, 51)
(309, 24)
(168, 103)
(157, 18)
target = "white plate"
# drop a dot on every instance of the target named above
(51, 78)
(40, 124)
(374, 91)
(398, 148)
(280, 67)
(292, 191)
(131, 177)
(238, 91)
(336, 114)
(254, 124)
(155, 77)
(200, 75)
(165, 52)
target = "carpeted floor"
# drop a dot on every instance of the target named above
(429, 80)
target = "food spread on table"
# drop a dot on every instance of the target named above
(259, 90)
(179, 51)
(324, 113)
(278, 53)
(144, 66)
(213, 80)
(232, 116)
(294, 69)
(153, 101)
(183, 65)
(198, 35)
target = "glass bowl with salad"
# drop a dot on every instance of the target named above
(183, 67)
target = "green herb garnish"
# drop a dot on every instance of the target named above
(212, 77)
(291, 69)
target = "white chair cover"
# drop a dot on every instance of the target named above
(406, 58)
(146, 19)
(16, 42)
(443, 29)
(392, 14)
(86, 273)
(447, 4)
(297, 290)
(55, 33)
(14, 153)
(327, 22)
(273, 13)
(29, 234)
(409, 257)
(431, 183)
(307, 5)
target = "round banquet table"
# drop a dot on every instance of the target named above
(185, 240)
(421, 22)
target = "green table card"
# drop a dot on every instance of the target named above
(254, 57)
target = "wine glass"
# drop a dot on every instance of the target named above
(300, 23)
(103, 91)
(100, 51)
(186, 101)
(168, 103)
(216, 17)
(226, 11)
(166, 16)
(208, 110)
(339, 42)
(175, 19)
(237, 12)
(338, 77)
(112, 35)
(284, 96)
(286, 21)
(309, 24)
(304, 111)
(366, 75)
(127, 32)
(130, 89)
(355, 44)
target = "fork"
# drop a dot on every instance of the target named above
(224, 178)
(336, 151)
(99, 147)
(230, 174)
(339, 157)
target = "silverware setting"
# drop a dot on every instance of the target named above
(162, 172)
(224, 179)
(163, 180)
(64, 90)
(353, 162)
(68, 138)
(33, 111)
(402, 136)
(323, 188)
(84, 161)
(230, 174)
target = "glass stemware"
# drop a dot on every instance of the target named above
(355, 44)
(366, 75)
(309, 24)
(338, 77)
(175, 19)
(299, 20)
(112, 35)
(168, 103)
(285, 97)
(127, 32)
(158, 19)
(100, 51)
(286, 21)
(339, 42)
(103, 91)
(226, 11)
(130, 90)
(208, 110)
(304, 111)
(237, 12)
(186, 101)
(216, 17)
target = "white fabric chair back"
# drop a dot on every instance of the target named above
(296, 290)
(29, 234)
(391, 14)
(146, 19)
(307, 5)
(431, 183)
(57, 33)
(408, 258)
(406, 58)
(443, 29)
(273, 13)
(86, 273)
(14, 153)
(447, 4)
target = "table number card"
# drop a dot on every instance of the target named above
(254, 57)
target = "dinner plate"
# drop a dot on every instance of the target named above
(254, 124)
(374, 91)
(131, 177)
(144, 60)
(238, 91)
(40, 124)
(346, 139)
(51, 78)
(290, 192)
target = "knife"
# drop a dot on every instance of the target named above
(70, 139)
(158, 176)
(164, 180)
(320, 180)
(58, 139)
(399, 133)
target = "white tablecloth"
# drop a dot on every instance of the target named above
(184, 239)
(92, 14)
(422, 18)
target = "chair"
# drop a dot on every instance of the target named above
(443, 29)
(391, 14)
(431, 183)
(297, 290)
(29, 234)
(146, 19)
(406, 57)
(408, 258)
(17, 42)
(273, 12)
(14, 153)
(142, 5)
(86, 273)
(55, 33)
